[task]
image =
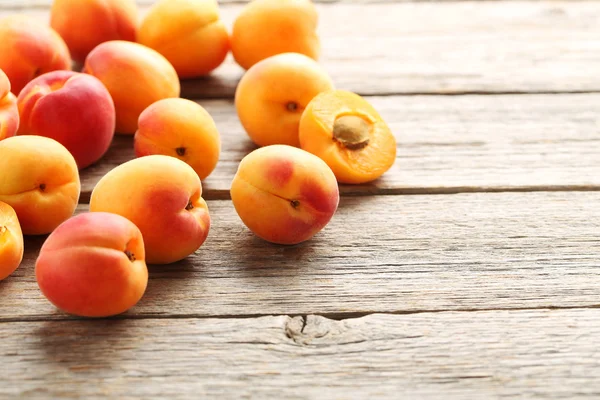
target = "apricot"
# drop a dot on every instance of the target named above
(162, 196)
(9, 113)
(93, 265)
(11, 241)
(179, 128)
(283, 194)
(272, 95)
(265, 28)
(189, 33)
(84, 24)
(29, 49)
(135, 76)
(73, 108)
(346, 131)
(40, 180)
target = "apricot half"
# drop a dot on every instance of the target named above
(93, 265)
(179, 128)
(345, 131)
(283, 194)
(272, 95)
(265, 28)
(163, 197)
(11, 241)
(189, 33)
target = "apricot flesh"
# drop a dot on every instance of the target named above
(93, 265)
(29, 49)
(272, 95)
(265, 28)
(348, 133)
(162, 196)
(11, 241)
(179, 128)
(9, 113)
(84, 24)
(40, 180)
(283, 194)
(189, 33)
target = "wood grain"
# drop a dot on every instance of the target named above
(538, 354)
(444, 47)
(445, 145)
(379, 254)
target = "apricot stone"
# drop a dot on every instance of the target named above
(135, 76)
(283, 194)
(40, 180)
(93, 265)
(11, 241)
(162, 196)
(189, 33)
(29, 49)
(84, 24)
(179, 128)
(73, 108)
(265, 28)
(272, 95)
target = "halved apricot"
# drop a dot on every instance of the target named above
(344, 130)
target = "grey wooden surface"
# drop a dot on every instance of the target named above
(471, 270)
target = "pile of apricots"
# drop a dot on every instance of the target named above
(99, 69)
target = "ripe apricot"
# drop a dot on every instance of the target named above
(93, 265)
(11, 241)
(346, 131)
(179, 128)
(272, 95)
(29, 49)
(84, 24)
(265, 28)
(283, 194)
(9, 112)
(189, 33)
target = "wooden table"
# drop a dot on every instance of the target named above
(471, 270)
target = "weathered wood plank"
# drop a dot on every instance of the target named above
(445, 144)
(447, 47)
(525, 354)
(379, 254)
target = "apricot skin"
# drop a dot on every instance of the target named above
(73, 108)
(43, 184)
(135, 76)
(265, 28)
(272, 95)
(84, 24)
(283, 194)
(93, 265)
(162, 196)
(179, 128)
(9, 113)
(29, 49)
(189, 33)
(11, 241)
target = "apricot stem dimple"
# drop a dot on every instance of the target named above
(351, 131)
(292, 106)
(180, 151)
(189, 206)
(43, 187)
(295, 203)
(130, 255)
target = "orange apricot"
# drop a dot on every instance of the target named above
(189, 33)
(272, 95)
(283, 194)
(265, 28)
(179, 128)
(11, 241)
(84, 24)
(29, 49)
(9, 112)
(345, 131)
